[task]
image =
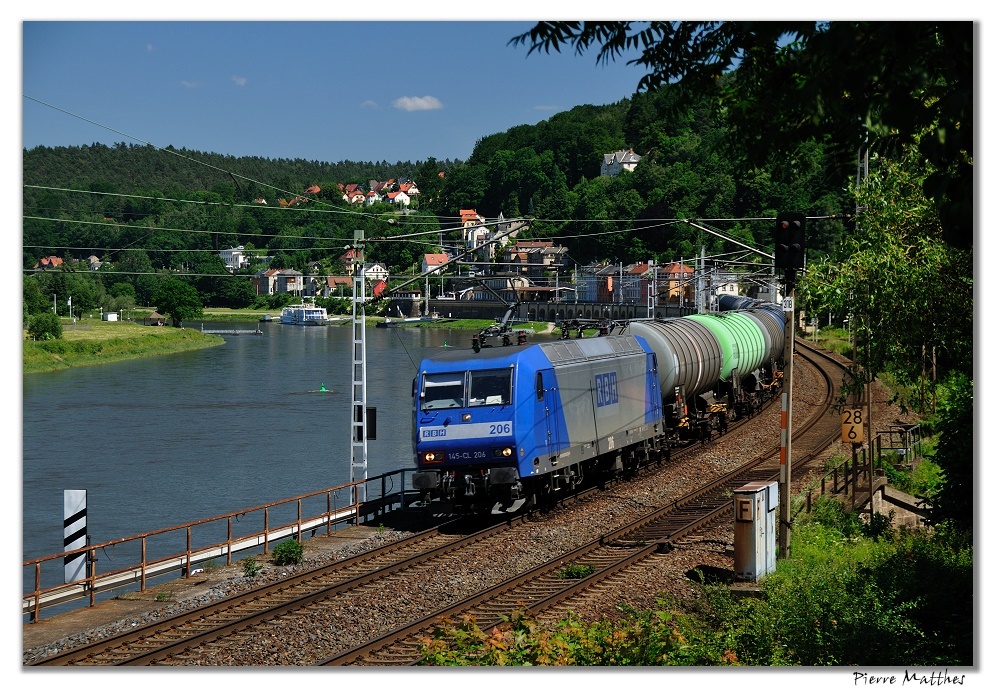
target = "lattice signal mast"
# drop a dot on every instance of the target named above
(359, 375)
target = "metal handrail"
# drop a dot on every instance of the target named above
(38, 598)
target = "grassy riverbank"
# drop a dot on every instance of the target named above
(229, 315)
(93, 342)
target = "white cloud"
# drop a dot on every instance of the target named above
(417, 103)
(239, 81)
(189, 85)
(149, 47)
(368, 103)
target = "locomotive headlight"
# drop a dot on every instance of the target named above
(433, 457)
(503, 452)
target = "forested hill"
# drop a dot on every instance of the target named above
(549, 171)
(125, 168)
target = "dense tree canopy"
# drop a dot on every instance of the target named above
(794, 97)
(178, 300)
(799, 81)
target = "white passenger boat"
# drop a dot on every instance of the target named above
(304, 314)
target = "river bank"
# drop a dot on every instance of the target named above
(93, 342)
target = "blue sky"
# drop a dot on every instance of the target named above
(316, 90)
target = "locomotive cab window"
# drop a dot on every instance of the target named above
(489, 387)
(443, 390)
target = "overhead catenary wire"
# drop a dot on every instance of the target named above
(328, 208)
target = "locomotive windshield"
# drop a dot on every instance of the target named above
(449, 390)
(489, 387)
(443, 390)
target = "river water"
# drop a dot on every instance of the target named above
(165, 440)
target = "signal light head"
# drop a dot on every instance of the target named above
(790, 241)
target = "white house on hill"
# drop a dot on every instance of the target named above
(619, 161)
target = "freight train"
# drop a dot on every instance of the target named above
(501, 428)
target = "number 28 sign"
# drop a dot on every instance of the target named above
(852, 428)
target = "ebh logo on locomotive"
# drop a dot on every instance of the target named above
(606, 386)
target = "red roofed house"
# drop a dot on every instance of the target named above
(474, 227)
(400, 198)
(50, 262)
(338, 286)
(347, 260)
(432, 262)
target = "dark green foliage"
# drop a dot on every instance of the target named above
(44, 326)
(575, 571)
(287, 553)
(840, 82)
(905, 600)
(178, 300)
(251, 568)
(33, 300)
(659, 638)
(839, 600)
(549, 171)
(953, 502)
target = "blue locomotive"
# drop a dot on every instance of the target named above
(503, 427)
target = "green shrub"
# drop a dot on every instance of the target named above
(879, 526)
(575, 571)
(837, 600)
(287, 553)
(251, 568)
(45, 327)
(639, 639)
(828, 511)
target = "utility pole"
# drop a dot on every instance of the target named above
(359, 376)
(789, 255)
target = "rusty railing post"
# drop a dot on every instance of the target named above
(266, 515)
(38, 591)
(92, 578)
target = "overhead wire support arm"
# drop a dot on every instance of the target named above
(727, 238)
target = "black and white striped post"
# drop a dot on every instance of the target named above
(75, 534)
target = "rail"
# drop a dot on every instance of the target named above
(339, 509)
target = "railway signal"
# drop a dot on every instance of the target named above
(790, 241)
(790, 256)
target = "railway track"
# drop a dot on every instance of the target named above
(162, 640)
(169, 642)
(545, 587)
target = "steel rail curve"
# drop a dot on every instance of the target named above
(543, 588)
(159, 642)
